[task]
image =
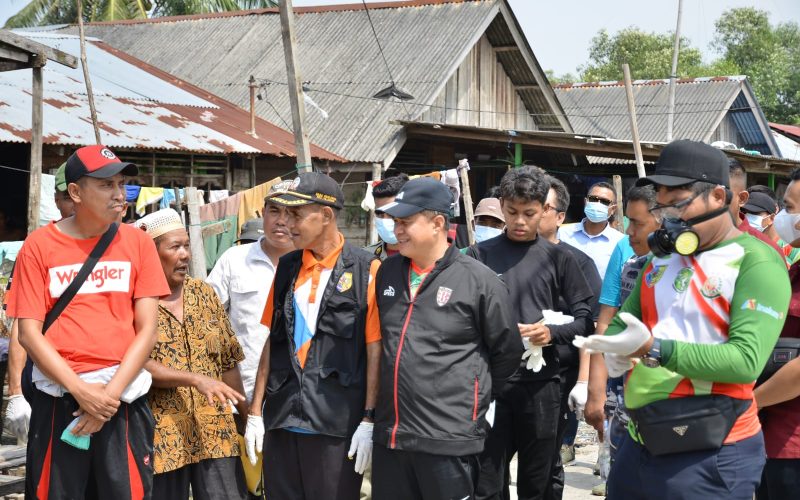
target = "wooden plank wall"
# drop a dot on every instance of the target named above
(480, 94)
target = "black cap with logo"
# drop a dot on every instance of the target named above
(307, 188)
(684, 162)
(423, 193)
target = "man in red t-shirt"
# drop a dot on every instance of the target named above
(89, 363)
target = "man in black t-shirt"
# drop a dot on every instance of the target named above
(539, 275)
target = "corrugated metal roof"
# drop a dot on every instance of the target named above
(132, 115)
(601, 108)
(111, 76)
(786, 129)
(337, 54)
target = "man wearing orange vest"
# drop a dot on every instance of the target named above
(702, 320)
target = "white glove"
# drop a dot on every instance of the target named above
(534, 355)
(625, 343)
(578, 396)
(254, 437)
(361, 446)
(18, 416)
(617, 366)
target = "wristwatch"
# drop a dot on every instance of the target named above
(369, 413)
(653, 357)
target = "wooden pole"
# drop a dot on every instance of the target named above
(637, 147)
(295, 87)
(466, 194)
(674, 74)
(197, 266)
(618, 221)
(90, 94)
(37, 124)
(253, 88)
(377, 169)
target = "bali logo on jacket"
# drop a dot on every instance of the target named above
(443, 295)
(345, 282)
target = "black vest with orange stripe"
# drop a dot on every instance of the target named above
(326, 395)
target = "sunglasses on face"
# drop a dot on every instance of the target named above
(598, 199)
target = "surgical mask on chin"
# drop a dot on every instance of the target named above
(596, 211)
(785, 226)
(483, 233)
(755, 221)
(385, 229)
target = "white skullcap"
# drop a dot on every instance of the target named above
(160, 223)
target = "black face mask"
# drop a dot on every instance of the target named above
(678, 235)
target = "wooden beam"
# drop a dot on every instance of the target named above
(10, 53)
(527, 87)
(36, 48)
(197, 266)
(35, 176)
(506, 48)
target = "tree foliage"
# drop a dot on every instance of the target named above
(45, 12)
(649, 55)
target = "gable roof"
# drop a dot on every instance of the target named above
(423, 41)
(600, 108)
(159, 112)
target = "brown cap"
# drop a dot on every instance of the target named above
(490, 207)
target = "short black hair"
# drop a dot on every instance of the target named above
(562, 195)
(736, 171)
(643, 193)
(390, 186)
(795, 175)
(604, 185)
(528, 183)
(492, 192)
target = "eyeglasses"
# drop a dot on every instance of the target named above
(597, 199)
(674, 210)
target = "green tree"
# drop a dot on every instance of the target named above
(769, 56)
(559, 79)
(44, 12)
(649, 55)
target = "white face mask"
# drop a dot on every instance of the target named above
(755, 221)
(385, 229)
(483, 233)
(785, 225)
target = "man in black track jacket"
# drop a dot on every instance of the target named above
(449, 343)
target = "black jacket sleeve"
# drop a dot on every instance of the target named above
(500, 333)
(577, 294)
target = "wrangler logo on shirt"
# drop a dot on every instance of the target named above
(107, 276)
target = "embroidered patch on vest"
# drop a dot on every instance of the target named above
(345, 282)
(654, 275)
(712, 288)
(682, 280)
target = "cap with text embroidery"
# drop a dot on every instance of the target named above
(416, 195)
(307, 188)
(98, 162)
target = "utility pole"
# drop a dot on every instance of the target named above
(637, 147)
(87, 80)
(253, 87)
(674, 74)
(295, 88)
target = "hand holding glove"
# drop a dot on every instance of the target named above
(18, 416)
(625, 343)
(254, 437)
(361, 446)
(578, 396)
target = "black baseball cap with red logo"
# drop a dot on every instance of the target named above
(96, 161)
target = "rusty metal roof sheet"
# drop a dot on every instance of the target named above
(131, 112)
(423, 40)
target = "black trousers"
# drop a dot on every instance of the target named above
(781, 479)
(555, 488)
(413, 475)
(308, 467)
(118, 464)
(210, 479)
(525, 422)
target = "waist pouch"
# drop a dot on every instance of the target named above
(785, 350)
(693, 423)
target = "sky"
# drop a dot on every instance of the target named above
(560, 34)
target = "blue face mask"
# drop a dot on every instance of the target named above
(483, 233)
(596, 211)
(385, 229)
